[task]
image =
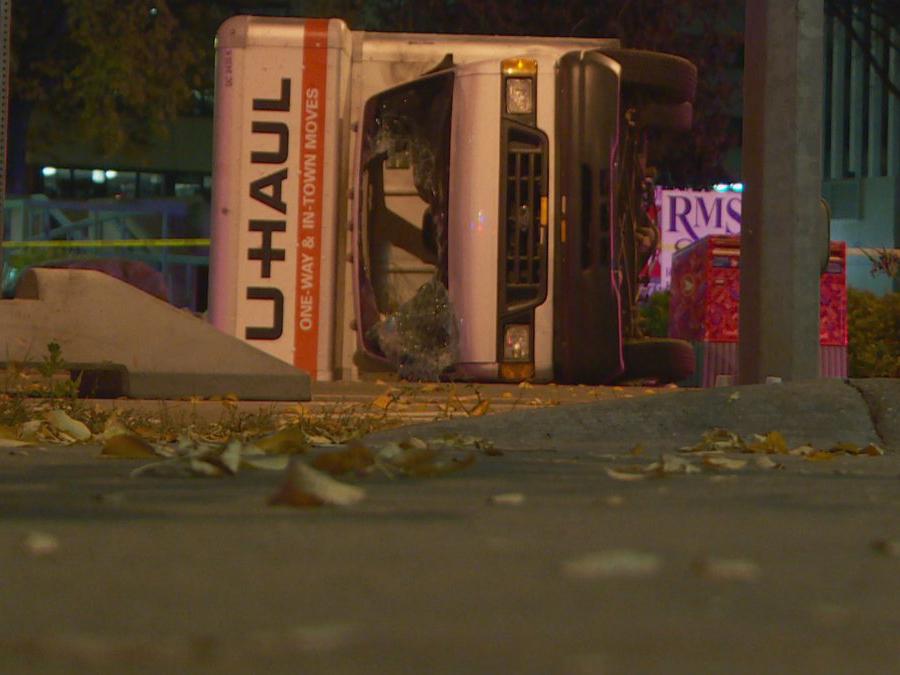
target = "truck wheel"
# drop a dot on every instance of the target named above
(666, 116)
(663, 359)
(667, 77)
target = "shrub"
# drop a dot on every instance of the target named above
(874, 328)
(654, 320)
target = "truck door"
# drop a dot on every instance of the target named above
(587, 335)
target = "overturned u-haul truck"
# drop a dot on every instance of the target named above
(357, 174)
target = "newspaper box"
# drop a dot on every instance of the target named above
(705, 303)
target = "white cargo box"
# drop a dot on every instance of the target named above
(281, 90)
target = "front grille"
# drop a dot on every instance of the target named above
(524, 243)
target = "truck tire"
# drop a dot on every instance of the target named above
(666, 116)
(666, 77)
(663, 359)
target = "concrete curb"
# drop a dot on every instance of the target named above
(819, 412)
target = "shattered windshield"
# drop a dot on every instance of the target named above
(402, 244)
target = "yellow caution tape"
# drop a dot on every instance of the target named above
(107, 243)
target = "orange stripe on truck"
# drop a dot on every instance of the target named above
(309, 230)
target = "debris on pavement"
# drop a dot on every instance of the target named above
(612, 564)
(719, 441)
(507, 499)
(13, 443)
(715, 462)
(66, 427)
(305, 487)
(192, 457)
(669, 464)
(764, 462)
(40, 544)
(887, 547)
(356, 458)
(727, 569)
(312, 638)
(633, 472)
(129, 446)
(666, 465)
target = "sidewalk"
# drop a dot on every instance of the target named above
(738, 570)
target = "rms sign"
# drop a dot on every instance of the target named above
(686, 216)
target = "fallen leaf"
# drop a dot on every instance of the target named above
(416, 460)
(637, 450)
(383, 401)
(629, 473)
(888, 547)
(725, 463)
(852, 449)
(230, 458)
(671, 464)
(61, 421)
(610, 564)
(304, 486)
(39, 544)
(414, 442)
(507, 499)
(480, 409)
(849, 448)
(113, 427)
(525, 385)
(356, 458)
(728, 569)
(461, 441)
(613, 500)
(772, 443)
(763, 462)
(719, 478)
(127, 446)
(266, 462)
(8, 433)
(872, 450)
(13, 443)
(820, 456)
(718, 440)
(507, 394)
(734, 397)
(173, 467)
(802, 450)
(285, 441)
(201, 467)
(111, 498)
(29, 430)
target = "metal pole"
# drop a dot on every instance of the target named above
(783, 232)
(5, 21)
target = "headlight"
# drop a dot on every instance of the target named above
(517, 343)
(519, 95)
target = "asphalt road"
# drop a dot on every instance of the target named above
(793, 568)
